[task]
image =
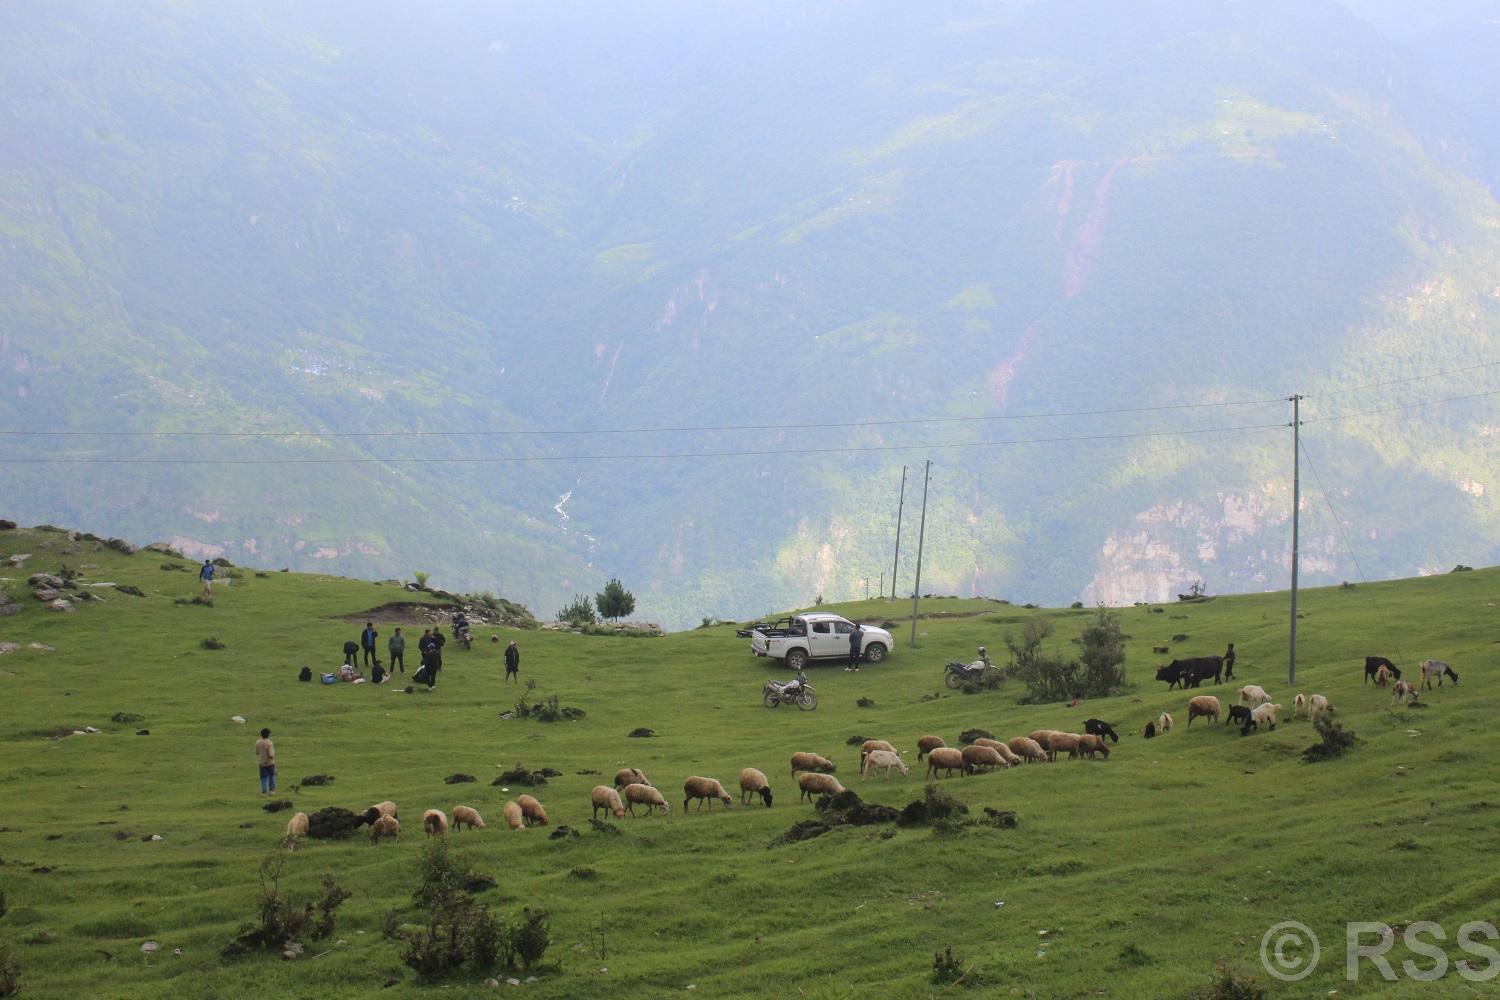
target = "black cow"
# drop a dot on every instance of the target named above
(1171, 673)
(1238, 713)
(1373, 665)
(1193, 671)
(1098, 727)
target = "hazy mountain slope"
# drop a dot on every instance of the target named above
(543, 217)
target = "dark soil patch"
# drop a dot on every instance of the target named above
(276, 807)
(459, 779)
(856, 740)
(641, 733)
(865, 703)
(396, 613)
(126, 718)
(583, 874)
(212, 643)
(143, 732)
(314, 780)
(608, 829)
(333, 823)
(519, 775)
(562, 832)
(844, 809)
(130, 590)
(587, 770)
(476, 882)
(1005, 819)
(968, 736)
(934, 805)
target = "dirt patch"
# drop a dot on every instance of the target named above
(520, 775)
(275, 807)
(126, 718)
(399, 613)
(641, 733)
(459, 779)
(968, 736)
(333, 823)
(562, 832)
(844, 809)
(314, 780)
(934, 805)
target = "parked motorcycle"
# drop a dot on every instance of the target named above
(797, 692)
(958, 674)
(461, 631)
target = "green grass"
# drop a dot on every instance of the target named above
(1142, 870)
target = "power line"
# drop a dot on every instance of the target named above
(1400, 381)
(1406, 406)
(508, 459)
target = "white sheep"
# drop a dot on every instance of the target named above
(817, 784)
(297, 825)
(883, 759)
(805, 761)
(1264, 715)
(753, 782)
(383, 827)
(644, 795)
(605, 797)
(1253, 694)
(1163, 724)
(434, 822)
(1318, 705)
(1299, 706)
(467, 816)
(531, 810)
(701, 788)
(513, 816)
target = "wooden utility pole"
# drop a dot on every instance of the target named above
(1296, 401)
(896, 567)
(916, 593)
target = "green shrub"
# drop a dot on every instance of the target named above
(421, 578)
(1333, 741)
(278, 920)
(580, 612)
(1226, 985)
(457, 932)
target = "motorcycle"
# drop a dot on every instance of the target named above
(797, 692)
(462, 633)
(958, 674)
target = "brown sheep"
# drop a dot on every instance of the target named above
(977, 756)
(948, 759)
(467, 816)
(1043, 739)
(435, 823)
(1027, 749)
(753, 782)
(630, 776)
(297, 825)
(531, 811)
(386, 808)
(605, 797)
(1205, 705)
(926, 744)
(644, 795)
(513, 816)
(1063, 743)
(385, 826)
(817, 784)
(1000, 747)
(1088, 745)
(811, 762)
(701, 788)
(868, 745)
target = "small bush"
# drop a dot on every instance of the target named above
(1461, 568)
(421, 578)
(1333, 741)
(580, 612)
(948, 970)
(865, 703)
(10, 972)
(278, 920)
(519, 775)
(458, 932)
(130, 590)
(934, 805)
(1076, 605)
(1226, 985)
(188, 602)
(1132, 955)
(212, 643)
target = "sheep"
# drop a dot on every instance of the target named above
(700, 788)
(1382, 677)
(1405, 691)
(883, 759)
(1253, 694)
(1163, 724)
(297, 825)
(1043, 737)
(811, 762)
(948, 759)
(1098, 727)
(630, 776)
(514, 816)
(1064, 743)
(1027, 748)
(753, 782)
(1438, 669)
(1239, 714)
(976, 756)
(1261, 715)
(1000, 748)
(607, 798)
(644, 795)
(467, 816)
(385, 826)
(379, 809)
(1090, 744)
(1317, 705)
(872, 745)
(928, 743)
(817, 784)
(531, 811)
(1205, 705)
(435, 823)
(1299, 705)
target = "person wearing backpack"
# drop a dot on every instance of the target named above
(367, 643)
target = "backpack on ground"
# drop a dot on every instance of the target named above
(305, 675)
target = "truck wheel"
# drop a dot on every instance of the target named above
(875, 652)
(796, 659)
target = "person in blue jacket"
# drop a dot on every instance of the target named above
(367, 643)
(206, 574)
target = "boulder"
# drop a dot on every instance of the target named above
(61, 604)
(8, 606)
(45, 594)
(46, 580)
(120, 545)
(18, 558)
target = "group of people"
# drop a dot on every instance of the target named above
(429, 647)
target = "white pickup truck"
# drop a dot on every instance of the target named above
(817, 636)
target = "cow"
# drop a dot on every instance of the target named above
(1438, 669)
(1199, 669)
(1098, 727)
(1374, 663)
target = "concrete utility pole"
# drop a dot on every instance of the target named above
(916, 593)
(1296, 401)
(896, 567)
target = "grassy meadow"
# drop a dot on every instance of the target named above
(1126, 877)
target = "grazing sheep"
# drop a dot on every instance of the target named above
(700, 788)
(1000, 748)
(926, 744)
(605, 797)
(513, 815)
(1405, 691)
(948, 759)
(1382, 677)
(435, 823)
(1316, 706)
(297, 825)
(1043, 737)
(644, 795)
(1239, 714)
(1163, 724)
(1090, 744)
(385, 826)
(976, 756)
(630, 776)
(1253, 694)
(386, 808)
(1205, 705)
(531, 811)
(1299, 705)
(1027, 749)
(1438, 669)
(1064, 743)
(871, 745)
(467, 816)
(1098, 727)
(1261, 715)
(817, 784)
(753, 782)
(811, 762)
(883, 759)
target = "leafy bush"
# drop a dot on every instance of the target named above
(1333, 741)
(948, 970)
(580, 612)
(458, 932)
(1050, 678)
(10, 972)
(1226, 985)
(421, 578)
(279, 920)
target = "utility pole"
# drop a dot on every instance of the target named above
(896, 567)
(1296, 401)
(916, 593)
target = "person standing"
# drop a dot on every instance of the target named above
(367, 643)
(265, 756)
(512, 662)
(856, 647)
(397, 647)
(206, 574)
(432, 663)
(1229, 662)
(351, 653)
(438, 639)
